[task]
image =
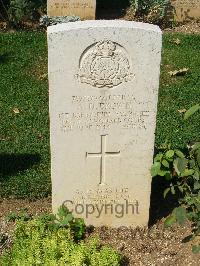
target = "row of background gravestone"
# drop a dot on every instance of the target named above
(185, 9)
(86, 9)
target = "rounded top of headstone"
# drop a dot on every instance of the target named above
(103, 24)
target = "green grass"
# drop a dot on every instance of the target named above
(178, 93)
(24, 136)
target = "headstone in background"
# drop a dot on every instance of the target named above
(85, 9)
(104, 79)
(186, 9)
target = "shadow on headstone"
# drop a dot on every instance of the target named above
(111, 9)
(10, 164)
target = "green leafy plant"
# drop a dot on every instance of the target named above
(182, 171)
(41, 241)
(153, 11)
(22, 215)
(19, 10)
(65, 218)
(14, 12)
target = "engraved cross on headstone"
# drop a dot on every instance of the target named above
(103, 154)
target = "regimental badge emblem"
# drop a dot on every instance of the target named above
(105, 64)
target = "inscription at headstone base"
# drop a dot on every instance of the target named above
(85, 9)
(186, 9)
(103, 103)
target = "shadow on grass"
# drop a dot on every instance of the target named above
(4, 58)
(160, 206)
(10, 164)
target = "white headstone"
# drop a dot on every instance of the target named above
(103, 79)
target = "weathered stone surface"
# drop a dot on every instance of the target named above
(103, 80)
(186, 9)
(85, 9)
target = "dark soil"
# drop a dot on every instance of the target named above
(189, 27)
(141, 246)
(153, 246)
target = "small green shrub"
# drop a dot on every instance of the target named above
(153, 11)
(17, 11)
(182, 171)
(47, 240)
(65, 218)
(22, 215)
